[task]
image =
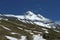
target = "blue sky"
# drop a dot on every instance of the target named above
(47, 8)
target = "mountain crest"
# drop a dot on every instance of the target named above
(31, 17)
(30, 13)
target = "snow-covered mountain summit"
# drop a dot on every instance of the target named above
(33, 18)
(30, 15)
(36, 19)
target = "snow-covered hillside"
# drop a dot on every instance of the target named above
(34, 18)
(29, 26)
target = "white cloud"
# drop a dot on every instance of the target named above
(58, 22)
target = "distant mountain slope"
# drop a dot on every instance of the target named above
(30, 17)
(28, 27)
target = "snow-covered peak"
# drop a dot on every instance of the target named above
(30, 13)
(32, 17)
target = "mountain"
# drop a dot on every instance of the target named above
(34, 19)
(29, 26)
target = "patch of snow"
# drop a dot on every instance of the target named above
(23, 38)
(20, 28)
(20, 17)
(31, 33)
(56, 30)
(5, 27)
(27, 30)
(22, 25)
(5, 19)
(11, 38)
(13, 33)
(53, 26)
(42, 24)
(1, 18)
(37, 32)
(9, 15)
(44, 29)
(38, 37)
